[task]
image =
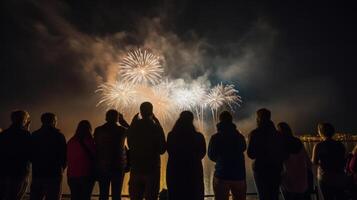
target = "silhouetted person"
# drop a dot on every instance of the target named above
(146, 141)
(352, 169)
(186, 148)
(81, 162)
(109, 139)
(15, 159)
(226, 149)
(329, 156)
(48, 156)
(297, 168)
(267, 150)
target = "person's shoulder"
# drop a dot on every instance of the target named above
(169, 134)
(340, 144)
(215, 136)
(36, 133)
(5, 132)
(254, 133)
(72, 141)
(121, 129)
(99, 128)
(240, 136)
(23, 132)
(59, 134)
(319, 145)
(200, 136)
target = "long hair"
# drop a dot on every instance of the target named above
(184, 123)
(285, 129)
(84, 129)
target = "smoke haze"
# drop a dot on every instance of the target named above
(56, 53)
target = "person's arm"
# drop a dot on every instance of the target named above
(95, 135)
(315, 159)
(202, 147)
(129, 135)
(27, 148)
(353, 164)
(307, 159)
(135, 119)
(63, 152)
(242, 143)
(212, 149)
(161, 140)
(251, 151)
(122, 121)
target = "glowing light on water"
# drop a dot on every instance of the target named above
(140, 66)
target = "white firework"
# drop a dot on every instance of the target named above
(188, 97)
(118, 95)
(141, 67)
(221, 95)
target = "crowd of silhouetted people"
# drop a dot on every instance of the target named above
(281, 164)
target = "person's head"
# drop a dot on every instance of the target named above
(184, 122)
(225, 116)
(284, 129)
(84, 129)
(20, 117)
(326, 130)
(112, 116)
(49, 119)
(263, 116)
(146, 110)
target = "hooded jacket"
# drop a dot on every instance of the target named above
(226, 148)
(267, 149)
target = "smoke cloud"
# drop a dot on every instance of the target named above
(56, 64)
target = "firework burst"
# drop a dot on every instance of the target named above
(141, 80)
(141, 67)
(117, 95)
(222, 95)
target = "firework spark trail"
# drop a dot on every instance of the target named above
(117, 95)
(169, 97)
(222, 95)
(141, 67)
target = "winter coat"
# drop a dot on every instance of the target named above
(14, 152)
(267, 148)
(48, 153)
(184, 176)
(226, 148)
(109, 140)
(146, 141)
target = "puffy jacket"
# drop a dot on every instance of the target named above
(80, 160)
(226, 148)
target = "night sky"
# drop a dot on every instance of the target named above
(296, 58)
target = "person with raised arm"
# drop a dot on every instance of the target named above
(146, 141)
